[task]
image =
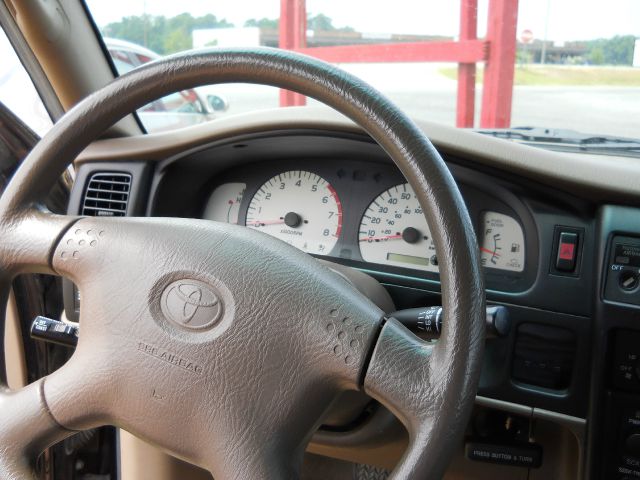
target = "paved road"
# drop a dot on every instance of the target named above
(423, 93)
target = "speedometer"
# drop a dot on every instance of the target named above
(300, 208)
(393, 231)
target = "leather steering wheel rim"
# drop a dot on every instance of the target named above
(331, 337)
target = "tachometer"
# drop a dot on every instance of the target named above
(502, 242)
(393, 231)
(300, 208)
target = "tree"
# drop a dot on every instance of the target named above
(266, 23)
(177, 41)
(596, 55)
(172, 34)
(133, 29)
(161, 34)
(210, 21)
(319, 22)
(616, 50)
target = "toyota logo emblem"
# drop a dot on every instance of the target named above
(191, 304)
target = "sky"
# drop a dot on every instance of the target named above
(563, 20)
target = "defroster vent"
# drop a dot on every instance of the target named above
(107, 195)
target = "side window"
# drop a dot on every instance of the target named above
(17, 91)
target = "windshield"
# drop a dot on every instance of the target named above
(490, 64)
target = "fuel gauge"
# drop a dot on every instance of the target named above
(502, 242)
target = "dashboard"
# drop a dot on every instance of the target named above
(557, 244)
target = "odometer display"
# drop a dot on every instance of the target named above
(397, 257)
(393, 231)
(300, 208)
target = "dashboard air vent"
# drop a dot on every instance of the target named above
(107, 195)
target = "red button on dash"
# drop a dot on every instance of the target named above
(566, 251)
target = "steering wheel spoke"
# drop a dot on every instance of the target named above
(413, 379)
(26, 429)
(401, 376)
(27, 240)
(270, 460)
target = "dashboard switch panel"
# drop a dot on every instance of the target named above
(626, 360)
(623, 271)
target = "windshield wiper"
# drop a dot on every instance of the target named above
(568, 140)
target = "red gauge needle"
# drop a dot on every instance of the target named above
(259, 223)
(386, 237)
(486, 250)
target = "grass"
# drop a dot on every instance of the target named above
(548, 75)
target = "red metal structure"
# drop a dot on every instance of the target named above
(497, 86)
(293, 36)
(467, 71)
(497, 51)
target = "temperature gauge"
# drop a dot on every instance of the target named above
(502, 242)
(224, 203)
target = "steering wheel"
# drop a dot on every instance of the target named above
(216, 342)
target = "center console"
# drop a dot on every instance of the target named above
(615, 398)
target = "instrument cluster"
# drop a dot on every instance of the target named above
(302, 208)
